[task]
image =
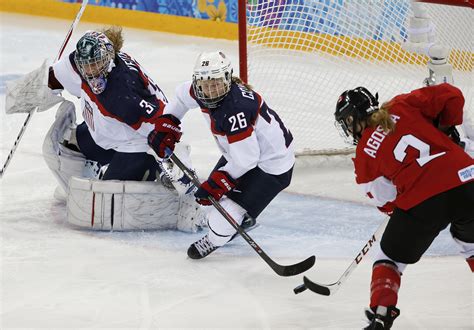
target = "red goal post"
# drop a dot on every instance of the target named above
(301, 54)
(461, 3)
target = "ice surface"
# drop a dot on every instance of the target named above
(55, 276)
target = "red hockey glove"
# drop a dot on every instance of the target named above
(388, 208)
(218, 184)
(165, 135)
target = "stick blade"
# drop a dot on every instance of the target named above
(315, 287)
(301, 267)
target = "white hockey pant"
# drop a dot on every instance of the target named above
(220, 230)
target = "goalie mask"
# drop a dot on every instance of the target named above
(94, 58)
(353, 107)
(212, 78)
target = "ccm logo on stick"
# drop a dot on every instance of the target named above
(365, 249)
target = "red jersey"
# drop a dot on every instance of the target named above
(416, 161)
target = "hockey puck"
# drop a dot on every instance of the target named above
(299, 289)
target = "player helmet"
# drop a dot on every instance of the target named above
(94, 58)
(353, 107)
(212, 78)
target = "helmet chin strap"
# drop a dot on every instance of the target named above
(111, 65)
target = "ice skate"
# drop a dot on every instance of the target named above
(201, 248)
(382, 318)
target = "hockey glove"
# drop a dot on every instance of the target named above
(388, 208)
(218, 184)
(165, 135)
(453, 133)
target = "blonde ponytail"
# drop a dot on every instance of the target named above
(382, 118)
(239, 81)
(114, 33)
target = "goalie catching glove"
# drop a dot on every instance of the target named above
(218, 184)
(31, 91)
(165, 135)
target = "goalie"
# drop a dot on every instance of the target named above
(102, 164)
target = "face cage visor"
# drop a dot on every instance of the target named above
(345, 133)
(211, 91)
(95, 72)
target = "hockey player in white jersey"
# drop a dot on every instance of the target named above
(120, 105)
(258, 156)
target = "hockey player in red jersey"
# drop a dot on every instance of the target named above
(258, 156)
(409, 163)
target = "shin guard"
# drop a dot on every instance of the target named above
(385, 284)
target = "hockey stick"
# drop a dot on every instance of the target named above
(282, 270)
(328, 289)
(30, 114)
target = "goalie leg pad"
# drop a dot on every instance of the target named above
(121, 205)
(191, 217)
(62, 161)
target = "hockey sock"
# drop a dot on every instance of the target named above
(470, 262)
(385, 284)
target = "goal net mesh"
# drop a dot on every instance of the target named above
(302, 54)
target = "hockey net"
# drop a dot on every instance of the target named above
(302, 54)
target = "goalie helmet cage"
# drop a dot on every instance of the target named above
(302, 54)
